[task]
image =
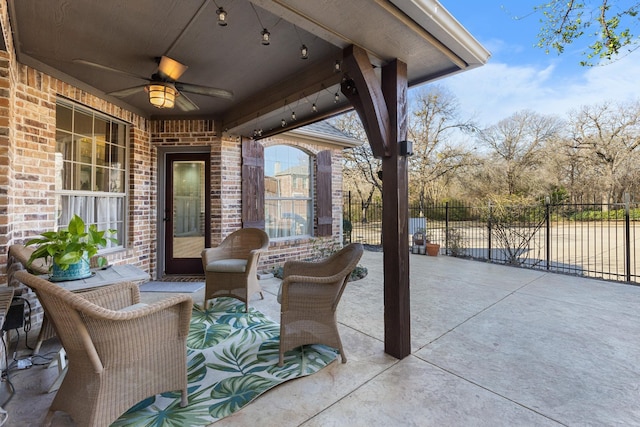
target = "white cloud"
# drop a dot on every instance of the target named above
(497, 90)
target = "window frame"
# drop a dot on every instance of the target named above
(309, 201)
(120, 198)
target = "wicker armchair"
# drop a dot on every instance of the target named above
(119, 351)
(308, 297)
(18, 258)
(231, 269)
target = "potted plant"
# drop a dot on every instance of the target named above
(433, 249)
(70, 249)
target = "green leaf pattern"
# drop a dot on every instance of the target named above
(232, 358)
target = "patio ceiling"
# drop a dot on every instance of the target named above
(269, 83)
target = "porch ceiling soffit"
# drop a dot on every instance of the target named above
(50, 35)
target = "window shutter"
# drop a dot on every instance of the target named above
(323, 193)
(252, 184)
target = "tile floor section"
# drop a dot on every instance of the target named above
(491, 346)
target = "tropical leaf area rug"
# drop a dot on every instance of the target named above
(232, 358)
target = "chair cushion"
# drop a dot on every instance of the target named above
(228, 266)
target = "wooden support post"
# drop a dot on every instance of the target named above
(382, 107)
(395, 211)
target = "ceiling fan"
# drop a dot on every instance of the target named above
(164, 89)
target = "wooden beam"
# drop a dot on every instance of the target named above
(316, 78)
(395, 210)
(362, 88)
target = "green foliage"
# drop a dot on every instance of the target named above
(611, 215)
(69, 244)
(608, 26)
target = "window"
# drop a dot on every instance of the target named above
(91, 153)
(268, 203)
(287, 193)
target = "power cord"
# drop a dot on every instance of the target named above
(21, 364)
(26, 327)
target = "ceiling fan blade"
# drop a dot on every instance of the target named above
(204, 90)
(123, 93)
(170, 68)
(185, 104)
(107, 68)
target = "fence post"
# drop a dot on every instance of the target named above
(489, 229)
(627, 236)
(547, 243)
(446, 228)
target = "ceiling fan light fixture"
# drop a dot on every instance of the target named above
(222, 17)
(162, 95)
(171, 68)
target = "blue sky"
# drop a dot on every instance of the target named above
(521, 76)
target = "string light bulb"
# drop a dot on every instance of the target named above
(265, 37)
(222, 17)
(283, 123)
(336, 97)
(337, 66)
(304, 52)
(293, 116)
(314, 108)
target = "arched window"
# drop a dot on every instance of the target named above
(288, 192)
(283, 202)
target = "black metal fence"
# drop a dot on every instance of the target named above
(586, 239)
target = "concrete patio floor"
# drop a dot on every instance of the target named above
(491, 346)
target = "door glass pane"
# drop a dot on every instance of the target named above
(188, 208)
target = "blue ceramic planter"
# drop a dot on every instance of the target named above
(77, 271)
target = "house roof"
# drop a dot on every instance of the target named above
(325, 132)
(104, 47)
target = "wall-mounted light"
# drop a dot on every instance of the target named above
(162, 95)
(265, 37)
(222, 17)
(406, 148)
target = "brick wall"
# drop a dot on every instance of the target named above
(32, 139)
(27, 173)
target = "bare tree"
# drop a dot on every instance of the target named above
(360, 166)
(434, 125)
(517, 144)
(609, 134)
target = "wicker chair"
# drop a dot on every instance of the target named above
(308, 297)
(18, 259)
(231, 269)
(119, 351)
